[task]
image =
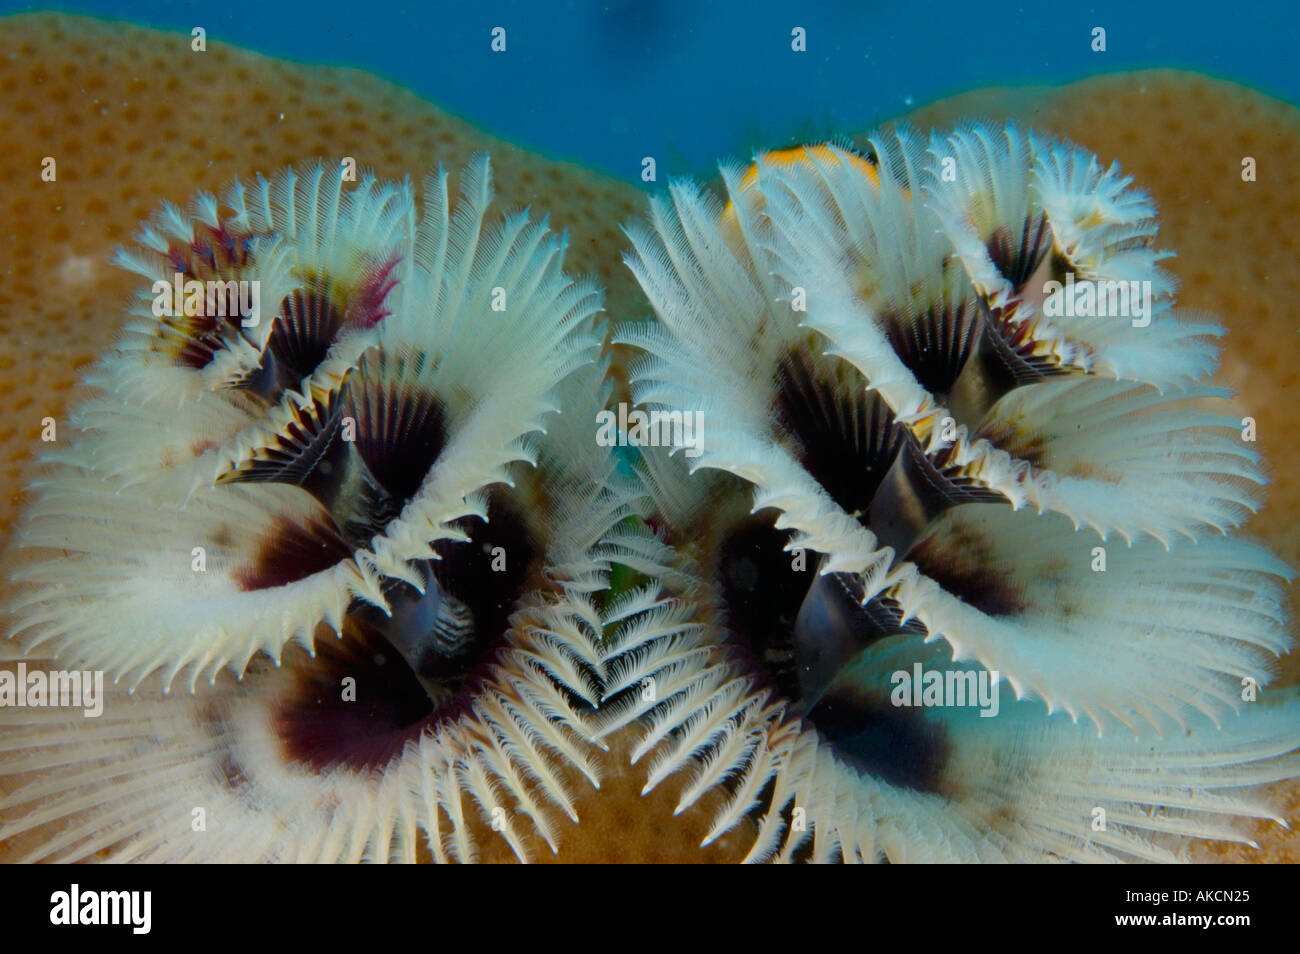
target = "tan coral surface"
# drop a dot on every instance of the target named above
(132, 116)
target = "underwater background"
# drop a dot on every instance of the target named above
(606, 83)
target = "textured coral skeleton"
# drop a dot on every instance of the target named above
(393, 478)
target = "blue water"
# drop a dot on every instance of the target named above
(688, 82)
